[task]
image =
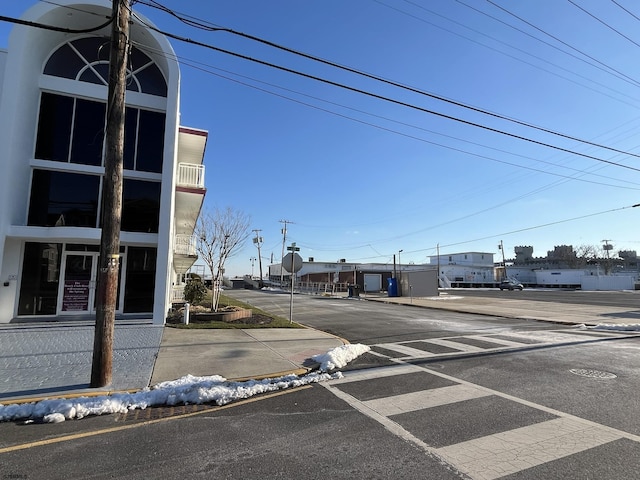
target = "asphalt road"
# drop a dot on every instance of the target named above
(441, 395)
(624, 298)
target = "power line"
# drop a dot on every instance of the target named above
(155, 4)
(603, 22)
(634, 81)
(405, 104)
(626, 10)
(511, 46)
(53, 27)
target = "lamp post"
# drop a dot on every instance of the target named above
(253, 259)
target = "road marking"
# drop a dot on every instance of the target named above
(500, 341)
(491, 456)
(389, 424)
(411, 402)
(76, 436)
(509, 452)
(407, 351)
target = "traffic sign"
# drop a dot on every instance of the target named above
(292, 262)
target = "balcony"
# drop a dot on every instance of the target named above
(190, 193)
(190, 176)
(184, 253)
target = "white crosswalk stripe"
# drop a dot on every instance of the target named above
(488, 457)
(509, 452)
(507, 340)
(410, 402)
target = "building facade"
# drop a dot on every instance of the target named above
(53, 91)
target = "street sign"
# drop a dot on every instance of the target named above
(292, 262)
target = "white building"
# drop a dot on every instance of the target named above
(464, 269)
(53, 90)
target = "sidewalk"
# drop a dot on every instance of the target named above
(572, 313)
(54, 360)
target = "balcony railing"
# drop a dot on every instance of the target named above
(185, 245)
(177, 294)
(190, 175)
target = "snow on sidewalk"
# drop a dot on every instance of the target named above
(188, 390)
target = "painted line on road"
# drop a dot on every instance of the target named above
(77, 436)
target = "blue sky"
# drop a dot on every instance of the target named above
(362, 178)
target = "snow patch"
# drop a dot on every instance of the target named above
(340, 356)
(189, 389)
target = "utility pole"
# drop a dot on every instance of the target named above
(284, 240)
(438, 255)
(504, 263)
(607, 247)
(258, 242)
(107, 292)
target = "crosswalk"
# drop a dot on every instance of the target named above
(478, 432)
(474, 344)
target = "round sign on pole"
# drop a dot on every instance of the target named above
(292, 262)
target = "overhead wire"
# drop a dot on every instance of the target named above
(557, 39)
(312, 106)
(54, 28)
(199, 66)
(598, 19)
(60, 29)
(156, 4)
(514, 47)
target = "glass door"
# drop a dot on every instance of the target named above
(77, 292)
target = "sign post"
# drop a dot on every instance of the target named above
(292, 262)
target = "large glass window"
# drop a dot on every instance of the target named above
(88, 132)
(40, 279)
(87, 60)
(140, 206)
(140, 280)
(150, 141)
(63, 199)
(72, 130)
(54, 127)
(143, 140)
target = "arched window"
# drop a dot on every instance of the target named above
(87, 60)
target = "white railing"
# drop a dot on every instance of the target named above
(177, 294)
(185, 245)
(190, 175)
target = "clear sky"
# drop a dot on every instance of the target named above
(364, 174)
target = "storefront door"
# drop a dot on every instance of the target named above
(77, 292)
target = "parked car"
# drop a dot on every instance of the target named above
(510, 285)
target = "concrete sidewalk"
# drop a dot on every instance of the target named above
(54, 360)
(572, 313)
(47, 360)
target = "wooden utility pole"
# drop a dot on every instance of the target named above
(107, 288)
(258, 242)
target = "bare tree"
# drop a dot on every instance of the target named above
(586, 254)
(220, 233)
